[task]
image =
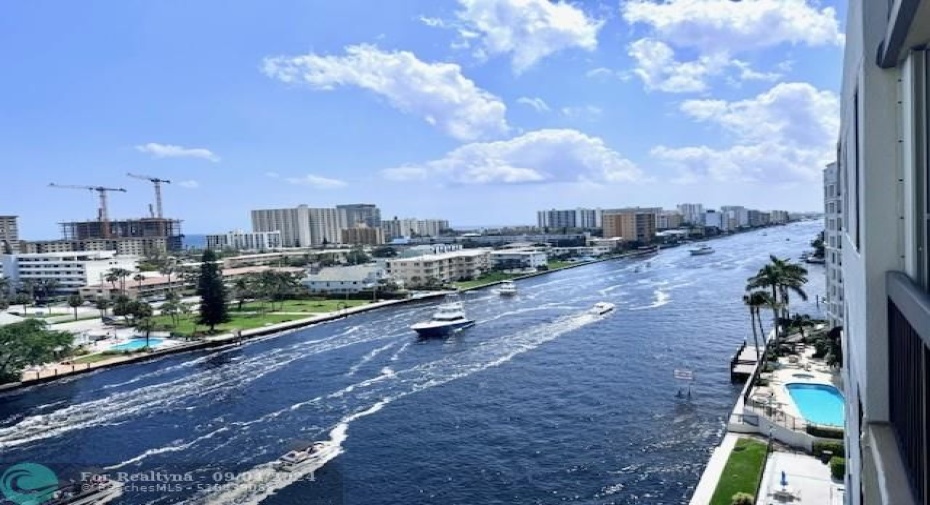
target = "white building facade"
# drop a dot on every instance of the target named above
(833, 245)
(345, 280)
(444, 268)
(245, 241)
(569, 218)
(72, 270)
(301, 226)
(883, 176)
(525, 260)
(692, 213)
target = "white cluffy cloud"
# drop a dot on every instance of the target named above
(316, 181)
(786, 134)
(537, 103)
(173, 151)
(525, 30)
(437, 92)
(535, 157)
(716, 30)
(189, 184)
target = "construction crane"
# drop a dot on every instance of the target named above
(157, 182)
(102, 212)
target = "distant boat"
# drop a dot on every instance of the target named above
(601, 308)
(507, 288)
(449, 318)
(702, 250)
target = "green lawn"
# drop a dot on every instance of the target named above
(237, 322)
(742, 471)
(488, 278)
(557, 264)
(308, 306)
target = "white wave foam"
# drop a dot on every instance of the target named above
(368, 357)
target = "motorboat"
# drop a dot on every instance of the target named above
(601, 308)
(507, 288)
(702, 250)
(92, 489)
(449, 318)
(309, 457)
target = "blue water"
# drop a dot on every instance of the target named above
(194, 241)
(136, 344)
(818, 403)
(539, 403)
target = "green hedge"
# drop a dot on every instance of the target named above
(838, 467)
(825, 432)
(836, 448)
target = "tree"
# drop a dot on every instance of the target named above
(212, 292)
(172, 308)
(28, 343)
(756, 300)
(800, 321)
(818, 245)
(75, 301)
(102, 305)
(146, 325)
(122, 306)
(112, 277)
(138, 278)
(384, 252)
(46, 287)
(4, 304)
(242, 289)
(23, 299)
(781, 277)
(357, 256)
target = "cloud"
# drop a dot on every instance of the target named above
(717, 30)
(536, 103)
(190, 184)
(436, 92)
(172, 151)
(582, 112)
(525, 30)
(786, 134)
(273, 175)
(542, 156)
(600, 72)
(317, 181)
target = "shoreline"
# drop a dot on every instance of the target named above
(226, 339)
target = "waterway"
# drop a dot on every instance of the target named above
(539, 403)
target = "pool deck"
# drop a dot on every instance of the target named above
(802, 369)
(808, 481)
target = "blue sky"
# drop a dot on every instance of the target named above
(476, 111)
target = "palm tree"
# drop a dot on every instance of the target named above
(166, 269)
(75, 301)
(171, 308)
(112, 277)
(241, 290)
(47, 286)
(146, 325)
(799, 321)
(123, 275)
(781, 277)
(138, 278)
(102, 305)
(755, 301)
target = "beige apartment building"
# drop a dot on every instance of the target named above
(363, 235)
(445, 267)
(631, 225)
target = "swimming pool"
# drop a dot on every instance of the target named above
(136, 344)
(818, 403)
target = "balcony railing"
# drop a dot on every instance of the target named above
(909, 378)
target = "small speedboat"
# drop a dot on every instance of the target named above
(702, 250)
(601, 308)
(507, 288)
(449, 318)
(310, 457)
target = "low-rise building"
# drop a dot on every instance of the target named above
(441, 268)
(362, 235)
(70, 270)
(122, 246)
(245, 241)
(345, 280)
(424, 249)
(524, 260)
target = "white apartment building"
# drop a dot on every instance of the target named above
(445, 267)
(345, 280)
(397, 228)
(778, 216)
(570, 218)
(72, 270)
(692, 213)
(294, 224)
(431, 227)
(882, 160)
(301, 226)
(714, 219)
(737, 215)
(421, 250)
(245, 241)
(833, 245)
(526, 260)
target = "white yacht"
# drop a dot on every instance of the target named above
(94, 489)
(448, 319)
(307, 458)
(507, 288)
(702, 250)
(601, 308)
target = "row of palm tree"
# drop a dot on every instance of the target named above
(268, 286)
(771, 288)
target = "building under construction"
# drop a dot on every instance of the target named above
(143, 236)
(149, 227)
